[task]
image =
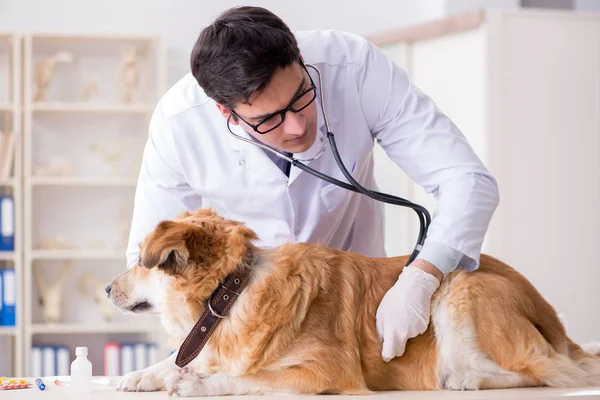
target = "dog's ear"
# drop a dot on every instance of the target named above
(168, 247)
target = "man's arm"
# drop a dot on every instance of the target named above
(431, 150)
(162, 191)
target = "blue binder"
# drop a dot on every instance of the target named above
(9, 297)
(1, 297)
(7, 223)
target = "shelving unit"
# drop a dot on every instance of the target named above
(91, 328)
(64, 107)
(7, 255)
(11, 338)
(81, 162)
(7, 331)
(77, 255)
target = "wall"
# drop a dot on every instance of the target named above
(180, 21)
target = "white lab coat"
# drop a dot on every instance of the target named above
(191, 161)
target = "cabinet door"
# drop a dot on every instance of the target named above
(547, 125)
(451, 70)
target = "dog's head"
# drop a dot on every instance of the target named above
(181, 263)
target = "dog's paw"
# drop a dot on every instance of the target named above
(186, 383)
(140, 381)
(461, 382)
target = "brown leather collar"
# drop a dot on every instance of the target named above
(218, 306)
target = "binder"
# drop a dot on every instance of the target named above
(48, 361)
(7, 223)
(1, 297)
(7, 153)
(127, 359)
(140, 356)
(63, 361)
(152, 354)
(8, 297)
(36, 361)
(111, 359)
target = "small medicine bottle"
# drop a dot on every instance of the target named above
(81, 371)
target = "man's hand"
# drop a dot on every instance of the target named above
(405, 309)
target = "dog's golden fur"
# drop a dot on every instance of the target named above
(306, 321)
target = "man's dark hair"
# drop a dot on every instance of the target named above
(236, 56)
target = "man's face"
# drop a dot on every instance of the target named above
(298, 131)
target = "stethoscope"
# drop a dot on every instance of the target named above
(422, 213)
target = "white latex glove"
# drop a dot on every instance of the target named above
(404, 311)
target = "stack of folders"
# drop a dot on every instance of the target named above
(118, 359)
(8, 288)
(122, 358)
(50, 361)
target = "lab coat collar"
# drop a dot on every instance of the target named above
(317, 146)
(320, 138)
(252, 156)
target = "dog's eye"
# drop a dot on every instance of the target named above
(139, 262)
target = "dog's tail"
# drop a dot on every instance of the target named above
(576, 369)
(566, 364)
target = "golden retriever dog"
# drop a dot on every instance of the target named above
(305, 322)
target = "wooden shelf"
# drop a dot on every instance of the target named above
(86, 38)
(93, 328)
(59, 121)
(7, 182)
(8, 330)
(78, 255)
(7, 255)
(74, 107)
(82, 181)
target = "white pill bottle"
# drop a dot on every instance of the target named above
(81, 371)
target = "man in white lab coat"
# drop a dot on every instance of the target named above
(249, 72)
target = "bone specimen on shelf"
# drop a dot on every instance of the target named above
(51, 294)
(90, 284)
(56, 243)
(45, 71)
(130, 73)
(89, 89)
(57, 167)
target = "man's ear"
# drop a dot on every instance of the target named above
(226, 113)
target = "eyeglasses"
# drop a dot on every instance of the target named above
(298, 104)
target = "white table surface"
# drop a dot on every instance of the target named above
(108, 392)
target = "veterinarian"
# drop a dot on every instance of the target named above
(252, 75)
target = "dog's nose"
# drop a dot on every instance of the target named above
(107, 288)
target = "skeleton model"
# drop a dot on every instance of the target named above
(45, 70)
(57, 242)
(130, 73)
(112, 154)
(89, 88)
(57, 167)
(51, 295)
(92, 283)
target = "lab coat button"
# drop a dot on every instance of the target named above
(297, 232)
(242, 162)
